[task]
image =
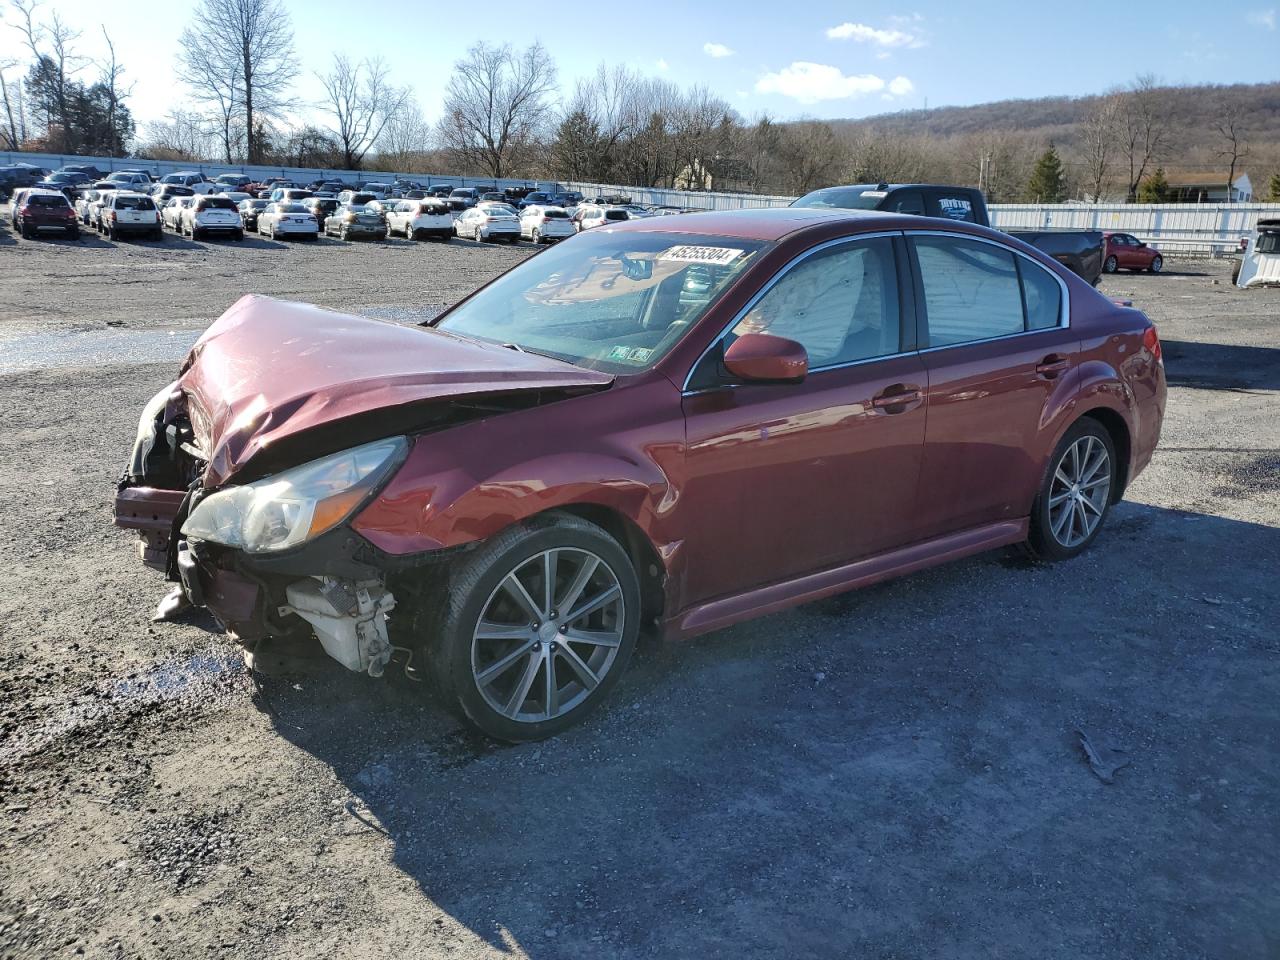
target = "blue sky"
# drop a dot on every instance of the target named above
(821, 59)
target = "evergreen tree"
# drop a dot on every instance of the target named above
(1048, 184)
(1155, 188)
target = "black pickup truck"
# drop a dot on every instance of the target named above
(1078, 250)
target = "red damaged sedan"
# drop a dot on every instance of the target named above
(673, 424)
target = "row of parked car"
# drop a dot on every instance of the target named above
(297, 213)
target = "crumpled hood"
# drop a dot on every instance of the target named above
(268, 370)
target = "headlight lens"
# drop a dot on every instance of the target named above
(280, 512)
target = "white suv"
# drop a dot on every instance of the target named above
(420, 219)
(124, 213)
(206, 215)
(543, 223)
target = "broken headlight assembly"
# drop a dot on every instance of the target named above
(297, 505)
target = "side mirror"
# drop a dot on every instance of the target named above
(764, 358)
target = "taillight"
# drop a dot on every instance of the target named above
(1151, 340)
(24, 211)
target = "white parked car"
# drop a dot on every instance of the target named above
(489, 220)
(190, 178)
(210, 215)
(84, 203)
(290, 195)
(420, 219)
(590, 215)
(131, 180)
(171, 212)
(544, 223)
(125, 213)
(235, 196)
(283, 219)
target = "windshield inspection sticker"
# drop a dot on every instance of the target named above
(629, 354)
(693, 254)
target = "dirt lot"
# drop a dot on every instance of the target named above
(892, 773)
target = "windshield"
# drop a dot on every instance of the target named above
(865, 197)
(607, 301)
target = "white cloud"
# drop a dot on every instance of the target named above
(900, 86)
(662, 66)
(1263, 18)
(863, 33)
(813, 82)
(716, 50)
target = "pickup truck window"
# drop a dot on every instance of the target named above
(971, 290)
(955, 207)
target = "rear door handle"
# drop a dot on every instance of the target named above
(1052, 365)
(897, 399)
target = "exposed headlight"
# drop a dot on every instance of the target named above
(292, 507)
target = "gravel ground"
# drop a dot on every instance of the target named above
(891, 773)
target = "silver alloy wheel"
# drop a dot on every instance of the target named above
(548, 635)
(1079, 490)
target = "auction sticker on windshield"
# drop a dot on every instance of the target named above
(720, 256)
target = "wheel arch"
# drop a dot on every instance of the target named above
(1118, 429)
(649, 566)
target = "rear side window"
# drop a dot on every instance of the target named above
(841, 304)
(905, 201)
(971, 290)
(1042, 294)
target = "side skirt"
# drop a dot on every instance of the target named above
(724, 612)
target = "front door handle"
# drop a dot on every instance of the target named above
(897, 398)
(1052, 365)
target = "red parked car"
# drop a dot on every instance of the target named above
(39, 211)
(676, 423)
(1124, 251)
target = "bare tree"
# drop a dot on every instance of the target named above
(180, 136)
(1235, 146)
(110, 73)
(11, 135)
(362, 101)
(1099, 134)
(1144, 127)
(405, 140)
(495, 104)
(56, 65)
(239, 58)
(811, 155)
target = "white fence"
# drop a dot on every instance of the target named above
(1180, 227)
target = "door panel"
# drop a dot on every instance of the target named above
(985, 442)
(991, 381)
(785, 479)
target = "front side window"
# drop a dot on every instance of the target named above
(841, 304)
(612, 302)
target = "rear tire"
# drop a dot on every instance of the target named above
(1157, 264)
(1110, 265)
(1076, 493)
(514, 704)
(73, 233)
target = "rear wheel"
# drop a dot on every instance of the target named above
(1157, 264)
(537, 628)
(1076, 493)
(1110, 265)
(73, 233)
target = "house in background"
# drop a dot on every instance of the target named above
(1207, 186)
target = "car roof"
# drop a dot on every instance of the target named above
(774, 223)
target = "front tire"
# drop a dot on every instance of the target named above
(1110, 265)
(537, 628)
(1076, 493)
